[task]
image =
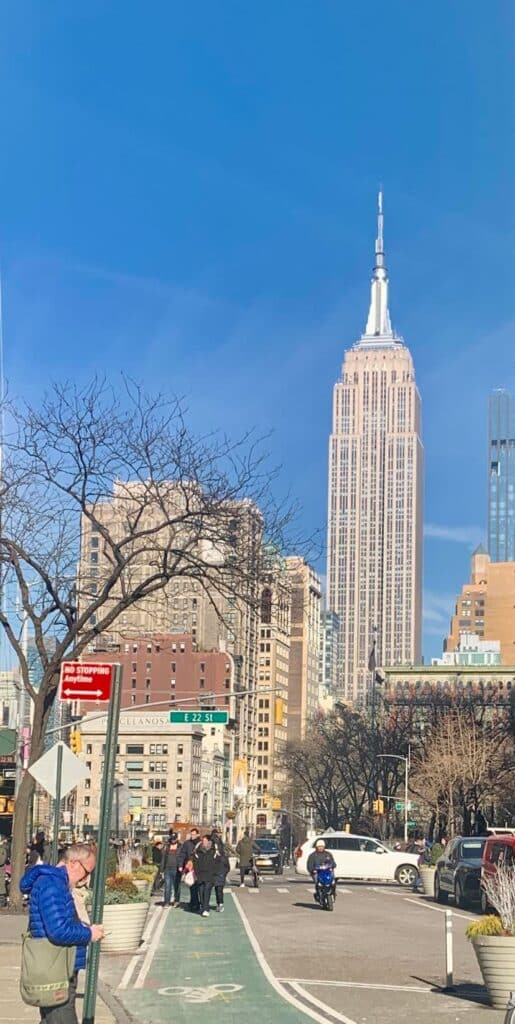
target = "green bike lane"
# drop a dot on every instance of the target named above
(213, 964)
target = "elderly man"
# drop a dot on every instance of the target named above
(53, 915)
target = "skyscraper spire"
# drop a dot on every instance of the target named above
(378, 323)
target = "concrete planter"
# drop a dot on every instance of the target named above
(141, 885)
(427, 877)
(496, 958)
(124, 923)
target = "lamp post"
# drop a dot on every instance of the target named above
(401, 757)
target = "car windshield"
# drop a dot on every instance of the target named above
(472, 850)
(267, 845)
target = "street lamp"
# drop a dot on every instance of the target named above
(400, 757)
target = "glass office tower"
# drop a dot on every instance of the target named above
(501, 484)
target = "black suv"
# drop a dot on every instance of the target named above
(269, 857)
(458, 871)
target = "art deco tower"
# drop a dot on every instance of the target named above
(374, 544)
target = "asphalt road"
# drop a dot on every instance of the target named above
(379, 957)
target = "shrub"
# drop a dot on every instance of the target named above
(436, 852)
(490, 925)
(500, 893)
(121, 889)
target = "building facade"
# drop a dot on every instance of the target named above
(486, 606)
(374, 542)
(303, 672)
(216, 602)
(330, 659)
(274, 663)
(471, 650)
(501, 477)
(158, 764)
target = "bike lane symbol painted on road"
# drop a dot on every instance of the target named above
(200, 995)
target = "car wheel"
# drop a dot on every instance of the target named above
(459, 897)
(440, 897)
(406, 875)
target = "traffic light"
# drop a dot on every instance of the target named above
(75, 741)
(378, 806)
(279, 711)
(6, 805)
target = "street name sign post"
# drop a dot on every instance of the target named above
(81, 680)
(200, 717)
(106, 807)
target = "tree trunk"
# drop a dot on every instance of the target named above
(42, 707)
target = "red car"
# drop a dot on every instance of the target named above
(498, 849)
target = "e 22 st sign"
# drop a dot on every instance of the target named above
(86, 681)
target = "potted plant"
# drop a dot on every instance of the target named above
(143, 876)
(125, 914)
(427, 871)
(493, 938)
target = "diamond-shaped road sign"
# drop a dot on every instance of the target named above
(44, 770)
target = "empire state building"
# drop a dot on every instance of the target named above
(374, 542)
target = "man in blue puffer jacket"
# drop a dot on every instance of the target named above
(52, 915)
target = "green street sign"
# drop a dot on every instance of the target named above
(399, 806)
(200, 717)
(412, 824)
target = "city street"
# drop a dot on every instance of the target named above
(379, 957)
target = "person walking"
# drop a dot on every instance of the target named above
(3, 876)
(53, 915)
(186, 861)
(221, 869)
(171, 871)
(205, 868)
(246, 848)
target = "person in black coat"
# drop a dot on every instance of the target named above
(222, 869)
(205, 868)
(185, 857)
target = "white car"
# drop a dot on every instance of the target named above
(360, 857)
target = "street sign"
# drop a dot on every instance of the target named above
(412, 824)
(86, 681)
(200, 717)
(44, 770)
(399, 806)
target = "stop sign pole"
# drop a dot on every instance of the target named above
(106, 804)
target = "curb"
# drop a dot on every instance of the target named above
(118, 1011)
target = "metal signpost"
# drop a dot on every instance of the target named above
(200, 717)
(57, 802)
(106, 804)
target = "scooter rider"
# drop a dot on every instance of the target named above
(320, 858)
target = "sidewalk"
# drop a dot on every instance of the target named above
(14, 1010)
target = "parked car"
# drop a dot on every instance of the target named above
(270, 856)
(498, 849)
(361, 857)
(458, 871)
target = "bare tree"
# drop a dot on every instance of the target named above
(339, 764)
(186, 507)
(464, 765)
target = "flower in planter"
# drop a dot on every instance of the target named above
(500, 893)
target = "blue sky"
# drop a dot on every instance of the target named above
(188, 192)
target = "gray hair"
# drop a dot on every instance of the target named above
(78, 851)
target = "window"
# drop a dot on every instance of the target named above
(135, 783)
(133, 684)
(178, 801)
(93, 557)
(134, 766)
(134, 748)
(179, 766)
(89, 748)
(86, 801)
(180, 749)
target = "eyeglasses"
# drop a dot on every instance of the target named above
(87, 871)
